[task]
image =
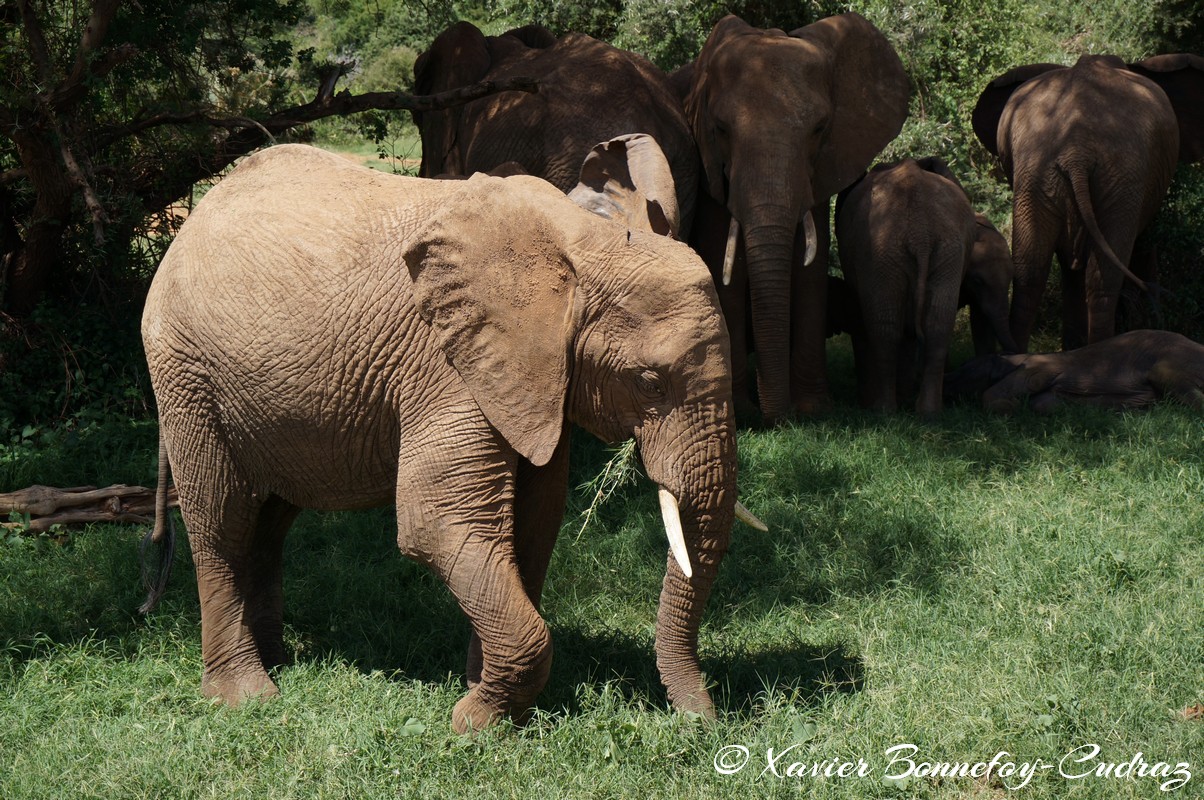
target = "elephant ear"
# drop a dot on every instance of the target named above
(988, 110)
(627, 179)
(698, 100)
(870, 94)
(493, 280)
(1181, 76)
(458, 56)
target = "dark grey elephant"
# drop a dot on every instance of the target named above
(784, 122)
(1132, 370)
(1089, 151)
(589, 92)
(326, 336)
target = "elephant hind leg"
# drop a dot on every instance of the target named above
(237, 559)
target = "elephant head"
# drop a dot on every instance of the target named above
(783, 122)
(1086, 180)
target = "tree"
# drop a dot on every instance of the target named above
(111, 111)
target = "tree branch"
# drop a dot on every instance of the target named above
(326, 105)
(95, 31)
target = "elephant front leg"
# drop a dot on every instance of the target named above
(455, 513)
(539, 497)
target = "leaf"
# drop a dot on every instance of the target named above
(1193, 713)
(804, 730)
(413, 727)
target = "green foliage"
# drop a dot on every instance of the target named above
(977, 585)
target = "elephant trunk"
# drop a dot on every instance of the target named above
(701, 478)
(769, 249)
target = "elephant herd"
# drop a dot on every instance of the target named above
(321, 335)
(764, 128)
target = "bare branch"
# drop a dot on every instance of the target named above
(95, 31)
(48, 506)
(38, 49)
(325, 105)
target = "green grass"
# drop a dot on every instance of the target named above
(1026, 585)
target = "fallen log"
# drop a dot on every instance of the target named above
(46, 506)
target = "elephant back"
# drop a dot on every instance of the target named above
(589, 92)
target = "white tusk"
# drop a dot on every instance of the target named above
(746, 516)
(809, 232)
(672, 519)
(729, 255)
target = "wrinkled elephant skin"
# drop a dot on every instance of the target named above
(326, 336)
(1086, 179)
(589, 92)
(905, 234)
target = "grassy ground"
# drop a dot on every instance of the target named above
(980, 585)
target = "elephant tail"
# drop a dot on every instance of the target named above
(1081, 192)
(163, 534)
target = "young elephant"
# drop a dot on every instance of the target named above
(904, 234)
(985, 289)
(987, 278)
(326, 336)
(1127, 371)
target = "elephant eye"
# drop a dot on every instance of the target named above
(651, 384)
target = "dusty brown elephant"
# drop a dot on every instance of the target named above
(1132, 370)
(905, 234)
(588, 92)
(783, 122)
(1086, 177)
(326, 336)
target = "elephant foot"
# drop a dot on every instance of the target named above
(235, 688)
(473, 714)
(813, 405)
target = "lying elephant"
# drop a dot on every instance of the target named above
(326, 336)
(1127, 371)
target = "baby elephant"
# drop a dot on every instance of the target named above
(905, 234)
(1127, 371)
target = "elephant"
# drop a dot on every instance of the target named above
(988, 276)
(1086, 178)
(783, 122)
(1130, 370)
(322, 335)
(588, 92)
(989, 273)
(904, 234)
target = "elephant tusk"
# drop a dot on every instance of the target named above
(729, 255)
(812, 243)
(746, 516)
(672, 519)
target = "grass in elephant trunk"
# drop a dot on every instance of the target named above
(982, 584)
